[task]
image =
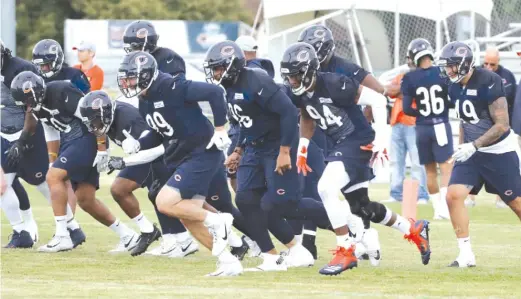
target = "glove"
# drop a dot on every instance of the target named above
(115, 163)
(220, 139)
(464, 152)
(302, 157)
(16, 152)
(101, 160)
(380, 158)
(130, 145)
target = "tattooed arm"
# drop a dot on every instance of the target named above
(499, 113)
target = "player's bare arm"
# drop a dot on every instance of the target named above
(371, 82)
(499, 114)
(307, 124)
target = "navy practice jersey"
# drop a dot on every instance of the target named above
(12, 115)
(171, 109)
(333, 107)
(340, 65)
(472, 102)
(431, 94)
(126, 117)
(263, 64)
(509, 83)
(169, 62)
(262, 109)
(60, 104)
(75, 76)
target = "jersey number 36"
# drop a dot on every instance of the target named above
(429, 102)
(157, 122)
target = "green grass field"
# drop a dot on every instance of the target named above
(89, 271)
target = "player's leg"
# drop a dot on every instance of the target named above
(189, 182)
(232, 173)
(443, 148)
(25, 208)
(425, 143)
(9, 203)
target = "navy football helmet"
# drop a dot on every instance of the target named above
(140, 36)
(48, 57)
(321, 38)
(419, 48)
(455, 61)
(299, 66)
(97, 112)
(226, 56)
(136, 73)
(28, 90)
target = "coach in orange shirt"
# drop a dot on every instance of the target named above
(86, 53)
(403, 140)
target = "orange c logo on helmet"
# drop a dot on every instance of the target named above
(96, 104)
(320, 33)
(141, 60)
(303, 56)
(142, 33)
(27, 86)
(461, 52)
(227, 50)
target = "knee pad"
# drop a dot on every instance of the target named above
(358, 200)
(153, 191)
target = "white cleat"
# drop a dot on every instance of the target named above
(57, 244)
(356, 228)
(467, 261)
(271, 262)
(126, 244)
(254, 250)
(170, 247)
(469, 202)
(298, 256)
(233, 268)
(371, 243)
(221, 233)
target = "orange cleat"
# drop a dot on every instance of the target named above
(343, 260)
(419, 235)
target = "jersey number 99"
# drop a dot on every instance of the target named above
(430, 103)
(157, 122)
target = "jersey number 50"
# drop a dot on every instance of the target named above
(157, 122)
(430, 103)
(327, 120)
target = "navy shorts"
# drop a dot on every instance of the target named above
(316, 163)
(499, 173)
(429, 150)
(76, 157)
(321, 140)
(193, 176)
(219, 195)
(232, 174)
(257, 170)
(356, 161)
(34, 165)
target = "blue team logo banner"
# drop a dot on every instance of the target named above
(116, 30)
(202, 35)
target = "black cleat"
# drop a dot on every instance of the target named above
(365, 256)
(240, 251)
(77, 237)
(145, 240)
(20, 240)
(308, 241)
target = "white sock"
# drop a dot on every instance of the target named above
(11, 208)
(344, 241)
(227, 257)
(182, 237)
(443, 206)
(145, 226)
(120, 228)
(402, 224)
(212, 219)
(27, 215)
(464, 246)
(61, 225)
(71, 222)
(435, 200)
(44, 190)
(298, 238)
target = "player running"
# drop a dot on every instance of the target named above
(488, 154)
(56, 104)
(433, 130)
(330, 101)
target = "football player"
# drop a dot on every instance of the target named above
(119, 120)
(268, 187)
(488, 154)
(57, 105)
(192, 150)
(330, 100)
(33, 168)
(433, 130)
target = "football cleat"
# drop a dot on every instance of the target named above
(271, 262)
(308, 241)
(298, 256)
(241, 251)
(221, 233)
(254, 250)
(419, 235)
(371, 243)
(77, 237)
(57, 244)
(20, 239)
(344, 259)
(145, 239)
(467, 261)
(126, 244)
(233, 268)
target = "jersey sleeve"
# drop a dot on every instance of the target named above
(407, 90)
(80, 81)
(71, 98)
(494, 89)
(343, 89)
(351, 70)
(261, 87)
(213, 94)
(173, 64)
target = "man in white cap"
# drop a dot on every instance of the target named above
(86, 53)
(249, 45)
